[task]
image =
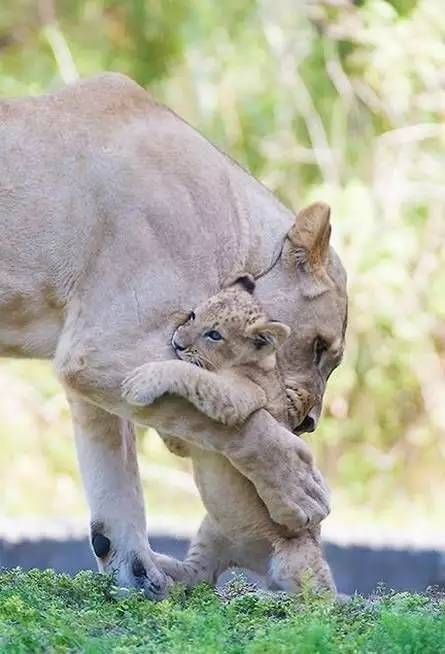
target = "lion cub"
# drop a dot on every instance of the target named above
(232, 345)
(227, 370)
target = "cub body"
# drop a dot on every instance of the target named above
(227, 350)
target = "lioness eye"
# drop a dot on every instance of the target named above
(320, 346)
(213, 335)
(191, 316)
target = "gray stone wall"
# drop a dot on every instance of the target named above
(356, 569)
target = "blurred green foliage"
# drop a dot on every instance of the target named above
(331, 100)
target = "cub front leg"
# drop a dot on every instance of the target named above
(222, 397)
(107, 457)
(151, 381)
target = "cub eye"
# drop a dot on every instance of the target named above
(320, 347)
(213, 335)
(191, 316)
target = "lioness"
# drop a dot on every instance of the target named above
(115, 216)
(228, 369)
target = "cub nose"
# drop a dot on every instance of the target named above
(178, 347)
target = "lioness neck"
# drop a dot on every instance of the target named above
(264, 222)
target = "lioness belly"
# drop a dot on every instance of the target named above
(230, 498)
(30, 319)
(30, 332)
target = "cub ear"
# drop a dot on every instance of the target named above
(268, 335)
(310, 236)
(246, 280)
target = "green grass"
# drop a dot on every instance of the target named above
(46, 612)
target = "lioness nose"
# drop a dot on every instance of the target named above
(307, 425)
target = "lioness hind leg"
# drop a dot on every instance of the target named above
(299, 561)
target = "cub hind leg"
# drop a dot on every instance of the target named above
(287, 565)
(298, 561)
(208, 556)
(211, 553)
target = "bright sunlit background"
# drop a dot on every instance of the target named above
(334, 100)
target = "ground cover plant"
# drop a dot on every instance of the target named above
(41, 611)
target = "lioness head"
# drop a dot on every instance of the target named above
(307, 290)
(230, 329)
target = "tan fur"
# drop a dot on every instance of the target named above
(228, 379)
(115, 216)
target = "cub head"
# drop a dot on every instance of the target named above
(230, 329)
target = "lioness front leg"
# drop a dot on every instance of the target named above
(223, 398)
(273, 459)
(107, 456)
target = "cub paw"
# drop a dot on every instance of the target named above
(227, 416)
(177, 446)
(141, 387)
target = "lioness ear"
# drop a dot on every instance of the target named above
(310, 240)
(268, 335)
(310, 235)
